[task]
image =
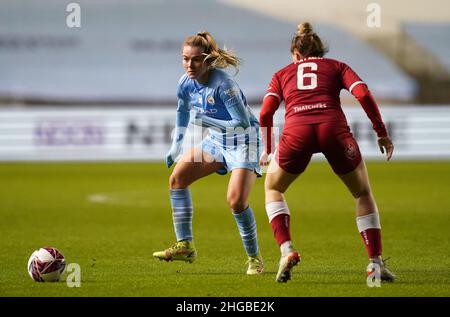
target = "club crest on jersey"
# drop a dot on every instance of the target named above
(350, 150)
(210, 100)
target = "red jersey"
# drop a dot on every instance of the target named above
(311, 88)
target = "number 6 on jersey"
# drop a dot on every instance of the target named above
(301, 75)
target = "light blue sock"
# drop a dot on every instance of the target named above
(182, 213)
(247, 228)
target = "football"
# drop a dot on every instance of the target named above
(46, 265)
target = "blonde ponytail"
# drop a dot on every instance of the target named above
(215, 56)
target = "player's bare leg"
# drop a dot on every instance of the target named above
(367, 217)
(191, 167)
(239, 188)
(276, 183)
(357, 181)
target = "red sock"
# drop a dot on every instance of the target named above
(281, 228)
(372, 240)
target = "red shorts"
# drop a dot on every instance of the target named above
(334, 139)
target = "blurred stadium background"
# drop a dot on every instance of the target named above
(106, 92)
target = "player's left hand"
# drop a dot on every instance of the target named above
(386, 145)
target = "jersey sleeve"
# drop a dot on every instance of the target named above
(358, 88)
(349, 77)
(231, 96)
(183, 106)
(182, 117)
(270, 105)
(274, 88)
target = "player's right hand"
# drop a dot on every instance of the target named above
(172, 155)
(264, 159)
(169, 160)
(386, 145)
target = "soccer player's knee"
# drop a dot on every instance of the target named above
(237, 202)
(177, 181)
(363, 191)
(273, 187)
(269, 184)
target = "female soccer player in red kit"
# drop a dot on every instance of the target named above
(315, 122)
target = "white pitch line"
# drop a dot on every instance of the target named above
(121, 198)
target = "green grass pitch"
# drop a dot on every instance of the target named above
(110, 217)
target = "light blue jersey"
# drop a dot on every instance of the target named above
(221, 106)
(221, 98)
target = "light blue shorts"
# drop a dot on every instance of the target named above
(235, 151)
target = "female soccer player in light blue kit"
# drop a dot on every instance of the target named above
(233, 144)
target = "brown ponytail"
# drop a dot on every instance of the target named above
(215, 56)
(307, 42)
